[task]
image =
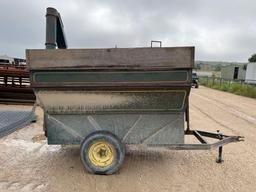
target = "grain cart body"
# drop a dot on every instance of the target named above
(106, 99)
(139, 94)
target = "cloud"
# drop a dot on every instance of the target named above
(220, 30)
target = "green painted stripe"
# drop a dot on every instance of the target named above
(145, 76)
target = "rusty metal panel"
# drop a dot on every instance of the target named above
(120, 58)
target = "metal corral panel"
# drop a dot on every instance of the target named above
(130, 128)
(173, 57)
(251, 73)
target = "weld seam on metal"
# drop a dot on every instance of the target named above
(65, 127)
(94, 123)
(132, 127)
(157, 131)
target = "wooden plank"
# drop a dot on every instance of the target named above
(120, 58)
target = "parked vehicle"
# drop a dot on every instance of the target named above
(194, 82)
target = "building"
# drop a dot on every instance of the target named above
(6, 60)
(251, 73)
(233, 72)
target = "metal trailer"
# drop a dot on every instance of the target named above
(106, 99)
(250, 76)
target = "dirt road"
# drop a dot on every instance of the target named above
(29, 164)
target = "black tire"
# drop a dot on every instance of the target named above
(197, 86)
(117, 155)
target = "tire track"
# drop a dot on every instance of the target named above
(230, 109)
(226, 96)
(247, 131)
(213, 119)
(210, 97)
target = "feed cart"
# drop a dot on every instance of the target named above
(104, 99)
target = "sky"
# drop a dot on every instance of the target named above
(219, 30)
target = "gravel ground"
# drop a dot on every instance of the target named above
(29, 164)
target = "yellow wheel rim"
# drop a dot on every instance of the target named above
(101, 154)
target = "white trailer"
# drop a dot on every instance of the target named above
(250, 76)
(4, 59)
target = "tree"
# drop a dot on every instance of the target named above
(252, 58)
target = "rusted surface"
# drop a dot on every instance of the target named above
(13, 95)
(15, 85)
(125, 58)
(14, 72)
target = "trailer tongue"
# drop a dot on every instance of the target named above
(104, 99)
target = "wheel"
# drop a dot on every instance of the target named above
(102, 153)
(196, 86)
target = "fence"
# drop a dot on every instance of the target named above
(15, 85)
(239, 87)
(14, 76)
(219, 81)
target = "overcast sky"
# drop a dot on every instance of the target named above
(221, 30)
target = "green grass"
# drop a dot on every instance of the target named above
(232, 87)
